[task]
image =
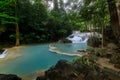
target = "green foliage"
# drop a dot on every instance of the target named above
(85, 60)
(39, 24)
(12, 36)
(95, 13)
(115, 59)
(7, 12)
(34, 18)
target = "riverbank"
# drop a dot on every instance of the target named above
(65, 70)
(34, 75)
(13, 52)
(102, 62)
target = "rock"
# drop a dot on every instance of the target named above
(94, 41)
(63, 64)
(112, 46)
(41, 78)
(9, 77)
(115, 59)
(81, 51)
(1, 50)
(63, 70)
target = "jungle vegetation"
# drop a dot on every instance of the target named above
(41, 21)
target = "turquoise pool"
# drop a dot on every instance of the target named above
(34, 58)
(71, 47)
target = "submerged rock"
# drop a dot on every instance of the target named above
(9, 77)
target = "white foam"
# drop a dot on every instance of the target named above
(4, 53)
(54, 49)
(78, 37)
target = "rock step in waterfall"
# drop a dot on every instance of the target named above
(78, 37)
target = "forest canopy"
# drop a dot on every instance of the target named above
(38, 21)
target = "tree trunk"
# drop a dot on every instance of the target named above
(55, 4)
(17, 35)
(17, 27)
(114, 17)
(118, 9)
(46, 4)
(102, 37)
(61, 4)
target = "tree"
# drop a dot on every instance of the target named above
(9, 16)
(39, 20)
(96, 13)
(17, 27)
(61, 5)
(114, 17)
(55, 4)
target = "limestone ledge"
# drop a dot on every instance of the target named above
(52, 48)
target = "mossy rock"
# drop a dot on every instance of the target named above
(87, 60)
(115, 59)
(100, 52)
(94, 42)
(97, 52)
(112, 46)
(117, 66)
(91, 50)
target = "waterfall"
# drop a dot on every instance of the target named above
(78, 37)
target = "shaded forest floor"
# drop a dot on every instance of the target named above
(105, 62)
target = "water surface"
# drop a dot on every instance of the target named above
(71, 47)
(34, 58)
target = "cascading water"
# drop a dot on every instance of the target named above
(77, 37)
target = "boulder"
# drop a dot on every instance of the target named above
(9, 77)
(94, 41)
(63, 70)
(112, 46)
(41, 78)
